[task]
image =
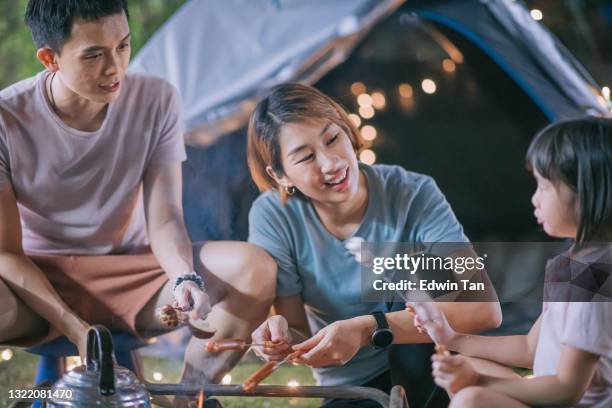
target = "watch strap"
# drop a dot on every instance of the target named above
(381, 320)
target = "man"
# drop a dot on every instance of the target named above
(91, 220)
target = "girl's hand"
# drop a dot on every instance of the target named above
(429, 318)
(453, 373)
(335, 344)
(275, 329)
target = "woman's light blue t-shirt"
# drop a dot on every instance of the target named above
(403, 207)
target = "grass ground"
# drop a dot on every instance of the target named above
(18, 373)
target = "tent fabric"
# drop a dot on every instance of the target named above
(221, 54)
(526, 50)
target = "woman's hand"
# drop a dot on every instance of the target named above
(189, 297)
(335, 344)
(429, 318)
(453, 373)
(275, 329)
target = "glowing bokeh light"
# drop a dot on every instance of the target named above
(428, 86)
(367, 156)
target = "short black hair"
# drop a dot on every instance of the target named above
(50, 21)
(578, 153)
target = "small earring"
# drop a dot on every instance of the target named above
(290, 190)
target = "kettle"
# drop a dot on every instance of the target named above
(98, 383)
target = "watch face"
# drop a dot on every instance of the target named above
(382, 338)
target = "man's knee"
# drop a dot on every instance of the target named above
(251, 271)
(469, 397)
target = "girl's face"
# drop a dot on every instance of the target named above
(553, 208)
(319, 160)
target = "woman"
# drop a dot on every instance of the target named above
(302, 151)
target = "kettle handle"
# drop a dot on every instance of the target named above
(100, 357)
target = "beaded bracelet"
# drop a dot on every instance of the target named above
(193, 277)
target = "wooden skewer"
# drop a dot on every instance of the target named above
(216, 346)
(201, 399)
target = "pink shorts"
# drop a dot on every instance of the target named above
(108, 289)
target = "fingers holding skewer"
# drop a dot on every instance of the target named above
(173, 317)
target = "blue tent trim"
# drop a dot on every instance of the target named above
(454, 25)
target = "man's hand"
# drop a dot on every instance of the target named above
(335, 344)
(78, 337)
(429, 318)
(190, 298)
(275, 329)
(453, 373)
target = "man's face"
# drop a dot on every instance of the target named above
(92, 63)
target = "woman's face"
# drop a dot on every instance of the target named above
(319, 161)
(553, 208)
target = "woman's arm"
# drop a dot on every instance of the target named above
(28, 282)
(574, 374)
(292, 309)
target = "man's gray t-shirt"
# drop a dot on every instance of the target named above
(80, 193)
(403, 207)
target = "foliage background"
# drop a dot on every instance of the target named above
(17, 51)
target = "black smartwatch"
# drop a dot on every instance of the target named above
(382, 336)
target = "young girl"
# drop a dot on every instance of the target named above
(302, 151)
(570, 345)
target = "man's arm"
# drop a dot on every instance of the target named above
(164, 212)
(168, 236)
(28, 282)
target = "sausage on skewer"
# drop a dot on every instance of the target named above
(216, 346)
(258, 376)
(172, 317)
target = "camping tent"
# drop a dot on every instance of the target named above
(223, 56)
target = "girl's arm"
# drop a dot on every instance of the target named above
(517, 351)
(574, 374)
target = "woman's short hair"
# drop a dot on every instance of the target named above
(288, 103)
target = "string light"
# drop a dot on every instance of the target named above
(157, 376)
(456, 56)
(605, 91)
(366, 112)
(364, 100)
(429, 86)
(355, 119)
(368, 132)
(227, 379)
(367, 156)
(7, 354)
(293, 383)
(378, 100)
(358, 88)
(536, 14)
(405, 90)
(448, 65)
